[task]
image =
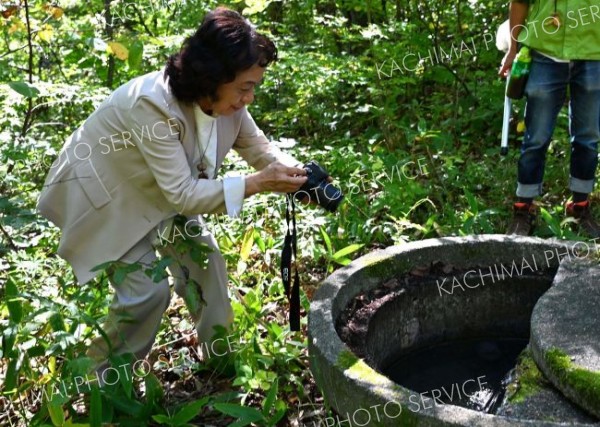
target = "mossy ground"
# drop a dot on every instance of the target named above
(529, 379)
(585, 383)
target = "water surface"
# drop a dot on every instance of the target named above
(470, 373)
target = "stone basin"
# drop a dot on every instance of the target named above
(407, 298)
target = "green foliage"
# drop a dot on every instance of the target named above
(398, 100)
(247, 415)
(25, 89)
(183, 415)
(339, 257)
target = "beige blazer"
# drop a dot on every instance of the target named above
(128, 167)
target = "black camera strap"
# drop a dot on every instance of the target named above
(290, 250)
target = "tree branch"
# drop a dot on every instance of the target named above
(8, 52)
(28, 117)
(142, 21)
(9, 239)
(109, 30)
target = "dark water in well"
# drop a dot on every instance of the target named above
(472, 374)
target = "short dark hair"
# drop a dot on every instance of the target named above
(224, 44)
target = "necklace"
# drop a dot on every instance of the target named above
(200, 166)
(555, 21)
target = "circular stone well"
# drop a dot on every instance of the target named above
(404, 299)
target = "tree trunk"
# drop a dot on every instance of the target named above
(109, 30)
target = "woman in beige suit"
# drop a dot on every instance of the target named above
(150, 152)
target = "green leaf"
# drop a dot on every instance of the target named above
(129, 406)
(255, 6)
(25, 89)
(122, 363)
(122, 270)
(81, 365)
(472, 201)
(270, 399)
(275, 331)
(346, 251)
(193, 296)
(553, 224)
(95, 407)
(277, 416)
(10, 381)
(162, 419)
(247, 243)
(56, 322)
(189, 411)
(154, 390)
(243, 413)
(8, 341)
(158, 271)
(36, 351)
(15, 308)
(343, 261)
(103, 266)
(56, 414)
(259, 241)
(136, 51)
(70, 423)
(327, 240)
(199, 252)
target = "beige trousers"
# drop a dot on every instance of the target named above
(139, 303)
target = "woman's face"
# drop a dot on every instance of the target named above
(237, 94)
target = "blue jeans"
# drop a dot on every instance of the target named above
(546, 92)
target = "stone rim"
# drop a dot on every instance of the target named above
(326, 348)
(560, 361)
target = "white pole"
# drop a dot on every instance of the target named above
(506, 121)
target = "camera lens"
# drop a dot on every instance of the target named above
(331, 197)
(317, 189)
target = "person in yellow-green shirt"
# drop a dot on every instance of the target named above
(564, 38)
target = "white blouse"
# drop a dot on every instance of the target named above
(206, 153)
(233, 186)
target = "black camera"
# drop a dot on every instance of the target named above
(318, 189)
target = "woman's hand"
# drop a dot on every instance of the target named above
(275, 177)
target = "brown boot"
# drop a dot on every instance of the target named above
(581, 212)
(524, 215)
